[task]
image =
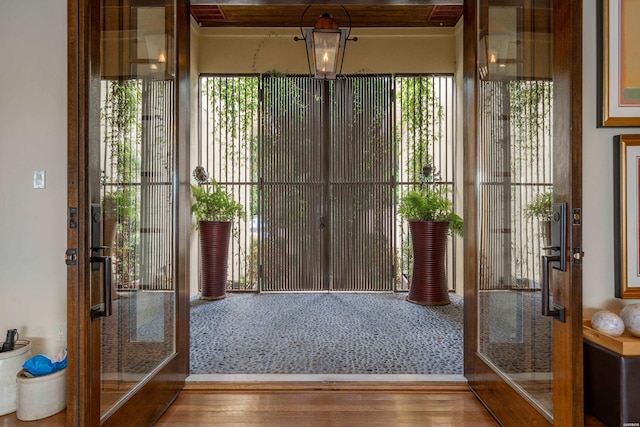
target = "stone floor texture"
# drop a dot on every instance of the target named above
(321, 333)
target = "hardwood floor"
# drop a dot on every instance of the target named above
(316, 405)
(327, 407)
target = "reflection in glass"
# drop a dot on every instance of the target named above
(136, 188)
(515, 169)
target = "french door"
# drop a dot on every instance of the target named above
(127, 233)
(523, 341)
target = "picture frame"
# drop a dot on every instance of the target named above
(627, 215)
(619, 65)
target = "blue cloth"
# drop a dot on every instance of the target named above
(41, 365)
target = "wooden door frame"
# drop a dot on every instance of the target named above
(567, 130)
(155, 395)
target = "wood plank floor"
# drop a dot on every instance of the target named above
(320, 405)
(326, 408)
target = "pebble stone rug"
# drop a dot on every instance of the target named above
(325, 333)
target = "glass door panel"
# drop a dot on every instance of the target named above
(515, 191)
(132, 170)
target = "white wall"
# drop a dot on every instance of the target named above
(388, 50)
(597, 190)
(33, 136)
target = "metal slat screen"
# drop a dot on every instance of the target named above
(515, 155)
(319, 166)
(137, 163)
(292, 198)
(361, 181)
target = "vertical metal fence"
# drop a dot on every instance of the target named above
(515, 154)
(137, 160)
(361, 183)
(319, 166)
(292, 170)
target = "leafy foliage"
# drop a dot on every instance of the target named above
(121, 112)
(233, 105)
(421, 110)
(213, 203)
(116, 204)
(430, 204)
(541, 206)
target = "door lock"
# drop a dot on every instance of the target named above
(71, 257)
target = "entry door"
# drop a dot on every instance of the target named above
(523, 341)
(327, 168)
(127, 281)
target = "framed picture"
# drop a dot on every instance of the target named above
(627, 215)
(619, 68)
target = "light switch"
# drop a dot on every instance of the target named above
(39, 179)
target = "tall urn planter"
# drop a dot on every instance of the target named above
(215, 210)
(214, 254)
(429, 279)
(429, 211)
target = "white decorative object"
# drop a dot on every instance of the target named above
(41, 397)
(631, 317)
(608, 323)
(10, 364)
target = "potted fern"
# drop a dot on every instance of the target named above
(431, 219)
(214, 210)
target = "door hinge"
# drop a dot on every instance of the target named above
(71, 257)
(577, 256)
(73, 217)
(577, 216)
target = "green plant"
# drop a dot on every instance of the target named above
(541, 206)
(213, 203)
(119, 204)
(430, 204)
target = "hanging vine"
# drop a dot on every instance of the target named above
(421, 108)
(121, 115)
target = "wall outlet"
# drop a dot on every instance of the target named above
(61, 332)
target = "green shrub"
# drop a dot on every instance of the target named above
(213, 203)
(430, 204)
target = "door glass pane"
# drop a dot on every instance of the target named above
(515, 192)
(134, 183)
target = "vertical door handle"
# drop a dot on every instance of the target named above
(104, 309)
(549, 309)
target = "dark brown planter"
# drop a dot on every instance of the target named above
(545, 228)
(214, 252)
(109, 227)
(429, 279)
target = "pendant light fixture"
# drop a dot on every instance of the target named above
(323, 45)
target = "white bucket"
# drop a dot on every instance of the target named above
(42, 396)
(10, 364)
